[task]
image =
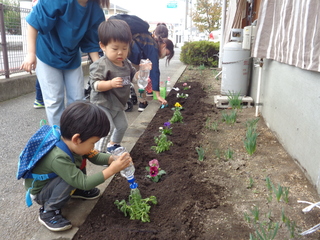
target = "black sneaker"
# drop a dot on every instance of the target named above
(54, 221)
(149, 94)
(142, 106)
(88, 195)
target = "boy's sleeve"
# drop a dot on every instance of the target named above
(97, 72)
(98, 158)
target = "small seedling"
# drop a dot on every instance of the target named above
(234, 100)
(211, 125)
(250, 184)
(217, 152)
(229, 154)
(201, 153)
(229, 119)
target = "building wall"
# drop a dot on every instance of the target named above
(290, 101)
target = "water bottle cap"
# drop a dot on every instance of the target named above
(133, 185)
(141, 90)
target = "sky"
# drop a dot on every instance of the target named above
(154, 10)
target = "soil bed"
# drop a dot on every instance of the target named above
(206, 199)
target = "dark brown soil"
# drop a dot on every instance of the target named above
(206, 199)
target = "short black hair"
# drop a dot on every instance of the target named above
(116, 30)
(84, 118)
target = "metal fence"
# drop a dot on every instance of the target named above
(13, 45)
(13, 41)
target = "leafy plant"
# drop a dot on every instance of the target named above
(163, 144)
(182, 95)
(166, 129)
(155, 172)
(234, 100)
(138, 208)
(201, 153)
(250, 141)
(177, 116)
(229, 118)
(185, 86)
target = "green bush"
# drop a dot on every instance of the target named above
(200, 53)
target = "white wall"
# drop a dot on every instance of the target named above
(290, 99)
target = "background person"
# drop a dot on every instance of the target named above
(56, 32)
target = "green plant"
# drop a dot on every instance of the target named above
(229, 154)
(229, 118)
(185, 86)
(163, 144)
(250, 141)
(138, 208)
(166, 129)
(285, 195)
(201, 153)
(182, 95)
(291, 225)
(250, 184)
(217, 152)
(211, 125)
(278, 192)
(234, 100)
(177, 116)
(200, 52)
(155, 172)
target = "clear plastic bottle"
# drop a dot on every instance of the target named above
(144, 72)
(169, 87)
(128, 172)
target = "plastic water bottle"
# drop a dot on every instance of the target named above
(169, 84)
(144, 72)
(128, 172)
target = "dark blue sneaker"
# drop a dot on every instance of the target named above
(112, 148)
(54, 221)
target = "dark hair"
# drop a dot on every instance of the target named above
(116, 30)
(170, 47)
(163, 24)
(161, 31)
(84, 118)
(103, 3)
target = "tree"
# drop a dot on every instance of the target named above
(12, 20)
(207, 15)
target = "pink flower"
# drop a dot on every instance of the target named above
(153, 171)
(154, 163)
(185, 84)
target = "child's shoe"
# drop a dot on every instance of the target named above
(111, 148)
(142, 106)
(38, 104)
(88, 195)
(54, 221)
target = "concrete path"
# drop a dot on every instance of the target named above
(18, 121)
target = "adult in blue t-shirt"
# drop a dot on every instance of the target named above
(57, 31)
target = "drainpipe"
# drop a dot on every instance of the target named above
(223, 20)
(259, 64)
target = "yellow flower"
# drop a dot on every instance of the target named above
(178, 105)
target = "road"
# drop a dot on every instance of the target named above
(19, 120)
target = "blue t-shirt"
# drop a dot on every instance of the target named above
(64, 28)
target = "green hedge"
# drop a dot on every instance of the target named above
(200, 53)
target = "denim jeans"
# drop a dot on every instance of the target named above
(58, 85)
